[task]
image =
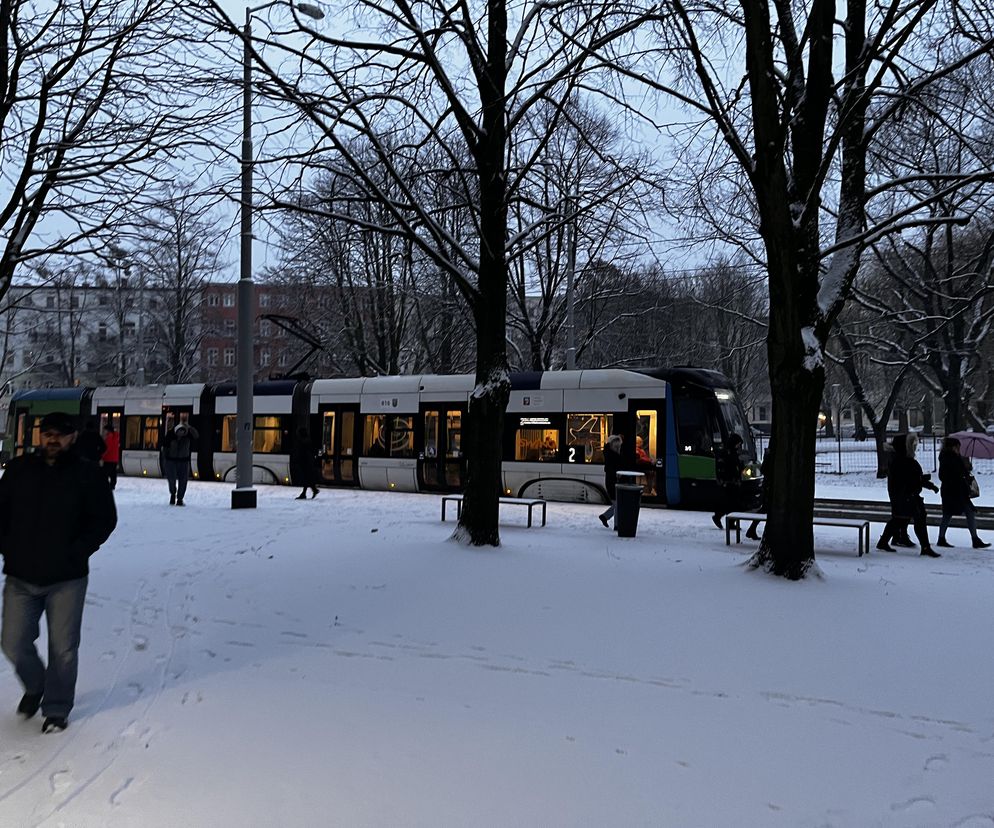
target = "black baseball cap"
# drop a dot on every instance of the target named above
(58, 421)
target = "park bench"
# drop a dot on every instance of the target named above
(529, 502)
(733, 521)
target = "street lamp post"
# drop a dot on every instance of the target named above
(570, 269)
(243, 496)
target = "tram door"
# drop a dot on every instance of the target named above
(338, 461)
(441, 463)
(647, 446)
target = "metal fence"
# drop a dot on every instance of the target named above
(848, 456)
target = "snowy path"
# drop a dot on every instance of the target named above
(337, 662)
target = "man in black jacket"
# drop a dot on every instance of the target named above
(56, 509)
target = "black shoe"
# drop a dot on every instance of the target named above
(979, 544)
(884, 546)
(929, 552)
(314, 492)
(944, 543)
(907, 543)
(301, 496)
(604, 521)
(172, 500)
(752, 535)
(30, 702)
(716, 519)
(179, 502)
(54, 724)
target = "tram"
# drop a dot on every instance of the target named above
(404, 433)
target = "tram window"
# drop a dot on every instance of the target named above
(645, 436)
(348, 433)
(586, 435)
(402, 436)
(697, 426)
(141, 433)
(267, 435)
(432, 421)
(328, 432)
(533, 443)
(453, 426)
(228, 429)
(374, 436)
(735, 420)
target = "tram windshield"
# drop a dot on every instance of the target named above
(734, 417)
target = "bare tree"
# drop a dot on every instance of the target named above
(96, 99)
(796, 124)
(178, 249)
(463, 83)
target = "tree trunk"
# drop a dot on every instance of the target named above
(787, 548)
(478, 523)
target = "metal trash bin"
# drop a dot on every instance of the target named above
(628, 497)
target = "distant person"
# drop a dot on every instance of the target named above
(302, 464)
(728, 468)
(764, 469)
(112, 454)
(641, 455)
(177, 446)
(613, 463)
(56, 509)
(955, 471)
(905, 481)
(89, 444)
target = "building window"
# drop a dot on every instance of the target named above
(129, 330)
(263, 300)
(102, 332)
(264, 357)
(762, 413)
(104, 299)
(229, 326)
(212, 300)
(282, 360)
(229, 357)
(212, 357)
(50, 302)
(74, 302)
(265, 328)
(229, 300)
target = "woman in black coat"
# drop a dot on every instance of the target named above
(302, 464)
(954, 474)
(905, 481)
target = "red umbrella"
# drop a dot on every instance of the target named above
(975, 444)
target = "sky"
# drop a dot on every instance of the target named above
(340, 661)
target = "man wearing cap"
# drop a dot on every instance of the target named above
(55, 511)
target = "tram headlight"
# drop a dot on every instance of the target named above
(751, 471)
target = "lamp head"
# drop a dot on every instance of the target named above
(309, 10)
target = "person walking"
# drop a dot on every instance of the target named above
(302, 464)
(56, 509)
(728, 468)
(177, 446)
(764, 469)
(955, 471)
(89, 444)
(613, 463)
(112, 454)
(905, 481)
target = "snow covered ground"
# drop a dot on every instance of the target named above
(339, 662)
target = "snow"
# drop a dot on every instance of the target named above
(813, 356)
(339, 661)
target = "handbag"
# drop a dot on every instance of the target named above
(973, 487)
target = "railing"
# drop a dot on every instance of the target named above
(849, 456)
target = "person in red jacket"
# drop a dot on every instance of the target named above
(112, 455)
